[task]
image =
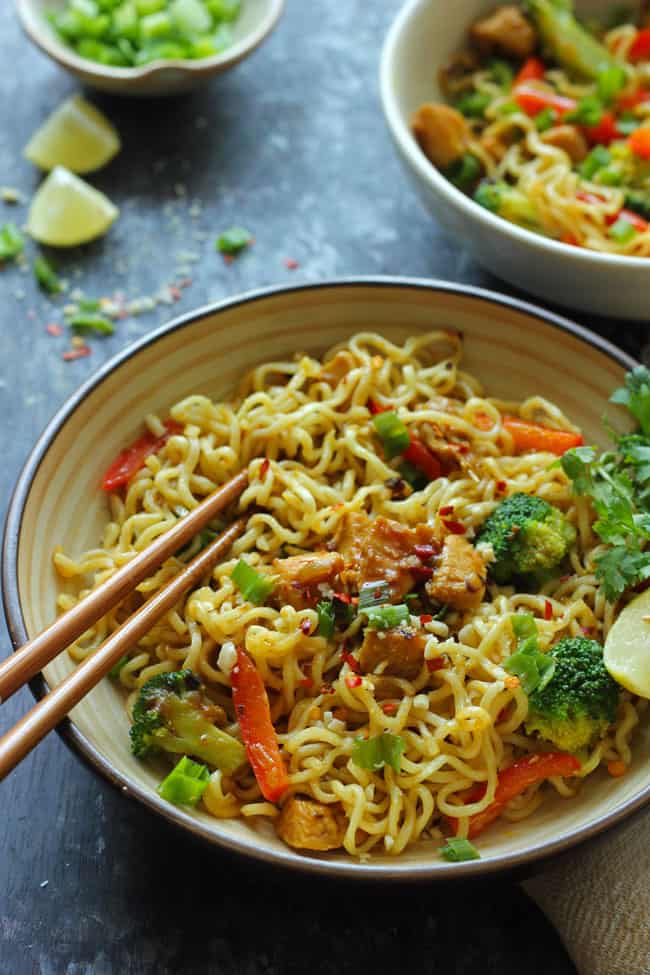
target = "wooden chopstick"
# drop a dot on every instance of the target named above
(22, 665)
(20, 739)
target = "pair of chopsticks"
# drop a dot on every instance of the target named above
(21, 666)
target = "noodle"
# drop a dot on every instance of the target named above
(461, 723)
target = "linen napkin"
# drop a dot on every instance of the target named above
(598, 898)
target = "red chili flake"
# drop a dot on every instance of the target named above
(351, 661)
(79, 353)
(343, 597)
(587, 630)
(174, 292)
(353, 680)
(53, 329)
(228, 258)
(421, 571)
(455, 527)
(501, 487)
(375, 408)
(426, 618)
(306, 682)
(354, 600)
(184, 282)
(483, 421)
(436, 664)
(424, 551)
(327, 689)
(338, 506)
(548, 609)
(446, 510)
(305, 626)
(501, 716)
(389, 707)
(290, 264)
(565, 578)
(264, 468)
(462, 448)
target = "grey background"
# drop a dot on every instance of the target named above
(292, 145)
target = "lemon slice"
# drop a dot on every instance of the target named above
(76, 136)
(627, 647)
(66, 211)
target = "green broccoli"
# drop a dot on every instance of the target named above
(173, 714)
(529, 537)
(570, 44)
(508, 202)
(579, 702)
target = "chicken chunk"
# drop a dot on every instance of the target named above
(309, 825)
(300, 574)
(376, 549)
(569, 138)
(505, 30)
(442, 132)
(459, 576)
(401, 649)
(337, 368)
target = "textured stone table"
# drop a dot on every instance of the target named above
(292, 145)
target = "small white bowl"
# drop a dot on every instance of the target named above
(422, 39)
(255, 23)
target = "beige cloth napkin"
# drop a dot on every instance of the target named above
(598, 898)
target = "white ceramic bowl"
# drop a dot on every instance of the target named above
(422, 39)
(255, 23)
(514, 348)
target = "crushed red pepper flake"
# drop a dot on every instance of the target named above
(353, 680)
(436, 664)
(306, 682)
(548, 609)
(291, 264)
(447, 509)
(501, 487)
(264, 468)
(426, 618)
(389, 707)
(424, 551)
(351, 661)
(54, 329)
(79, 353)
(455, 527)
(305, 626)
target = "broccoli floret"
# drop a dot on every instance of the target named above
(173, 714)
(508, 202)
(579, 702)
(572, 46)
(529, 537)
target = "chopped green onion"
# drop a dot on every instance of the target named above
(609, 176)
(89, 304)
(622, 231)
(234, 240)
(545, 119)
(326, 619)
(387, 617)
(473, 105)
(589, 111)
(392, 432)
(412, 475)
(458, 850)
(638, 201)
(501, 71)
(533, 668)
(114, 672)
(523, 625)
(510, 108)
(92, 323)
(47, 276)
(597, 158)
(253, 586)
(465, 172)
(373, 594)
(186, 783)
(224, 9)
(11, 242)
(373, 753)
(155, 27)
(610, 82)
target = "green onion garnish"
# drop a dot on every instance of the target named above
(373, 753)
(533, 668)
(545, 119)
(464, 173)
(458, 850)
(11, 242)
(597, 158)
(373, 594)
(622, 231)
(393, 434)
(501, 71)
(114, 672)
(588, 111)
(92, 323)
(234, 240)
(253, 586)
(186, 783)
(609, 176)
(473, 105)
(387, 617)
(610, 82)
(47, 276)
(326, 619)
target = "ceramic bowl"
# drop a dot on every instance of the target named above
(255, 23)
(514, 348)
(422, 39)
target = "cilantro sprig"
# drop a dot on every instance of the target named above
(618, 484)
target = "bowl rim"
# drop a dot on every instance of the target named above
(173, 814)
(426, 171)
(68, 59)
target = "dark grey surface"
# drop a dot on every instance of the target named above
(292, 145)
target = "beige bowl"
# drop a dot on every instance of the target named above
(257, 20)
(513, 347)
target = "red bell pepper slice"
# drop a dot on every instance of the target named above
(630, 99)
(129, 461)
(605, 132)
(534, 100)
(533, 436)
(532, 69)
(640, 48)
(639, 143)
(418, 455)
(515, 780)
(258, 734)
(630, 217)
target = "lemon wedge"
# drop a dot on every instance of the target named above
(66, 211)
(76, 136)
(627, 647)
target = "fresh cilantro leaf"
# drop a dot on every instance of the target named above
(636, 396)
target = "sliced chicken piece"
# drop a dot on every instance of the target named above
(309, 825)
(459, 576)
(443, 133)
(338, 367)
(569, 138)
(380, 549)
(505, 30)
(300, 574)
(402, 649)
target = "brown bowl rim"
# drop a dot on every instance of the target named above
(99, 764)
